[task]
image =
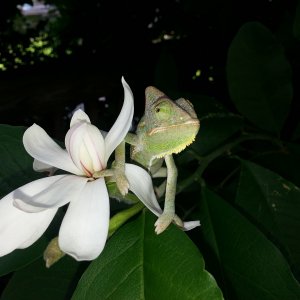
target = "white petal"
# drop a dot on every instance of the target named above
(85, 145)
(19, 229)
(120, 128)
(55, 194)
(41, 147)
(39, 166)
(78, 116)
(84, 229)
(140, 183)
(189, 225)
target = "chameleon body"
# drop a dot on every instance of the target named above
(166, 128)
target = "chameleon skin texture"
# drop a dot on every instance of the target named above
(167, 127)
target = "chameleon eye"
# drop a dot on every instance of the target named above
(163, 110)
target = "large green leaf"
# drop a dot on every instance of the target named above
(285, 162)
(37, 282)
(274, 203)
(16, 164)
(252, 266)
(16, 170)
(216, 129)
(21, 257)
(259, 77)
(217, 124)
(138, 264)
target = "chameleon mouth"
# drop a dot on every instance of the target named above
(194, 122)
(178, 149)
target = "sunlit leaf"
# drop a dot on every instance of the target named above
(138, 264)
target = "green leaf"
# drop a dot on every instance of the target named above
(259, 77)
(138, 264)
(215, 129)
(285, 162)
(16, 165)
(296, 27)
(15, 171)
(253, 268)
(37, 282)
(274, 203)
(21, 257)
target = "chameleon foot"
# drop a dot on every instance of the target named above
(165, 220)
(122, 184)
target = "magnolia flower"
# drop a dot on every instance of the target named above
(26, 212)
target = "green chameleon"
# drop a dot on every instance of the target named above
(167, 127)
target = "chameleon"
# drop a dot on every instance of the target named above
(166, 128)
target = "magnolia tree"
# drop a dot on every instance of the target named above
(63, 236)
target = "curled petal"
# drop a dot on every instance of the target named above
(140, 183)
(19, 229)
(79, 116)
(190, 225)
(39, 166)
(85, 145)
(41, 147)
(58, 191)
(84, 229)
(120, 128)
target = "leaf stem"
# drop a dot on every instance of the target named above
(120, 218)
(204, 161)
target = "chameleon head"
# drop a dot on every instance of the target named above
(170, 125)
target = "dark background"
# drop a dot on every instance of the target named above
(92, 44)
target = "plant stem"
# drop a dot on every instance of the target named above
(204, 161)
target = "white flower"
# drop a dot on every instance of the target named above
(26, 212)
(140, 183)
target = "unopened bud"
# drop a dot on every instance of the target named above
(53, 253)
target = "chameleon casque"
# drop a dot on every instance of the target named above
(166, 128)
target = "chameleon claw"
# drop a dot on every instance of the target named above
(122, 184)
(165, 220)
(178, 221)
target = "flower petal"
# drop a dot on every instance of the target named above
(79, 116)
(39, 166)
(58, 191)
(120, 128)
(41, 147)
(85, 145)
(189, 225)
(140, 183)
(84, 229)
(19, 229)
